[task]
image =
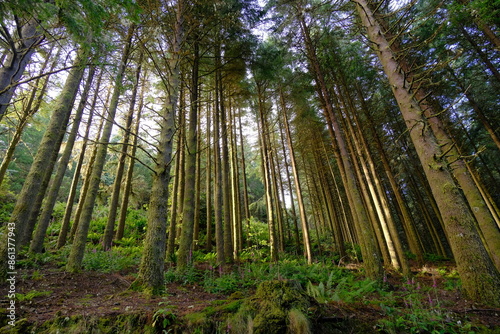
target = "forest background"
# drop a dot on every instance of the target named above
(229, 131)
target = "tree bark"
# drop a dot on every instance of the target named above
(186, 238)
(47, 151)
(113, 203)
(78, 248)
(151, 271)
(127, 189)
(50, 200)
(369, 249)
(480, 278)
(306, 240)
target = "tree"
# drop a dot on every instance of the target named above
(113, 205)
(78, 248)
(150, 277)
(51, 197)
(45, 158)
(480, 278)
(186, 240)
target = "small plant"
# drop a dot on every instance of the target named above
(434, 257)
(31, 295)
(337, 288)
(164, 317)
(421, 312)
(37, 275)
(35, 260)
(226, 284)
(111, 261)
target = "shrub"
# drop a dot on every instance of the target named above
(111, 261)
(225, 284)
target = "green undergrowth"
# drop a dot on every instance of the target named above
(135, 323)
(114, 260)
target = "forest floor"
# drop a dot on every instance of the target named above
(50, 292)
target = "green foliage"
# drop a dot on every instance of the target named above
(418, 311)
(354, 251)
(190, 275)
(225, 284)
(341, 286)
(434, 257)
(58, 211)
(31, 295)
(257, 234)
(7, 201)
(164, 317)
(116, 259)
(136, 223)
(35, 260)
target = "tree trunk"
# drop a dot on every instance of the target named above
(226, 185)
(86, 180)
(369, 249)
(266, 167)
(306, 240)
(178, 186)
(61, 239)
(480, 278)
(244, 176)
(151, 270)
(50, 200)
(408, 223)
(186, 240)
(235, 189)
(113, 203)
(78, 248)
(289, 183)
(47, 151)
(208, 174)
(127, 189)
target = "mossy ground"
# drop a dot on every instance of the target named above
(96, 302)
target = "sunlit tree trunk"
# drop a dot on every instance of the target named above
(273, 162)
(369, 249)
(47, 153)
(208, 173)
(197, 196)
(50, 200)
(244, 176)
(480, 278)
(65, 225)
(306, 240)
(218, 202)
(408, 223)
(266, 167)
(127, 189)
(86, 180)
(451, 154)
(177, 189)
(235, 188)
(225, 169)
(78, 248)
